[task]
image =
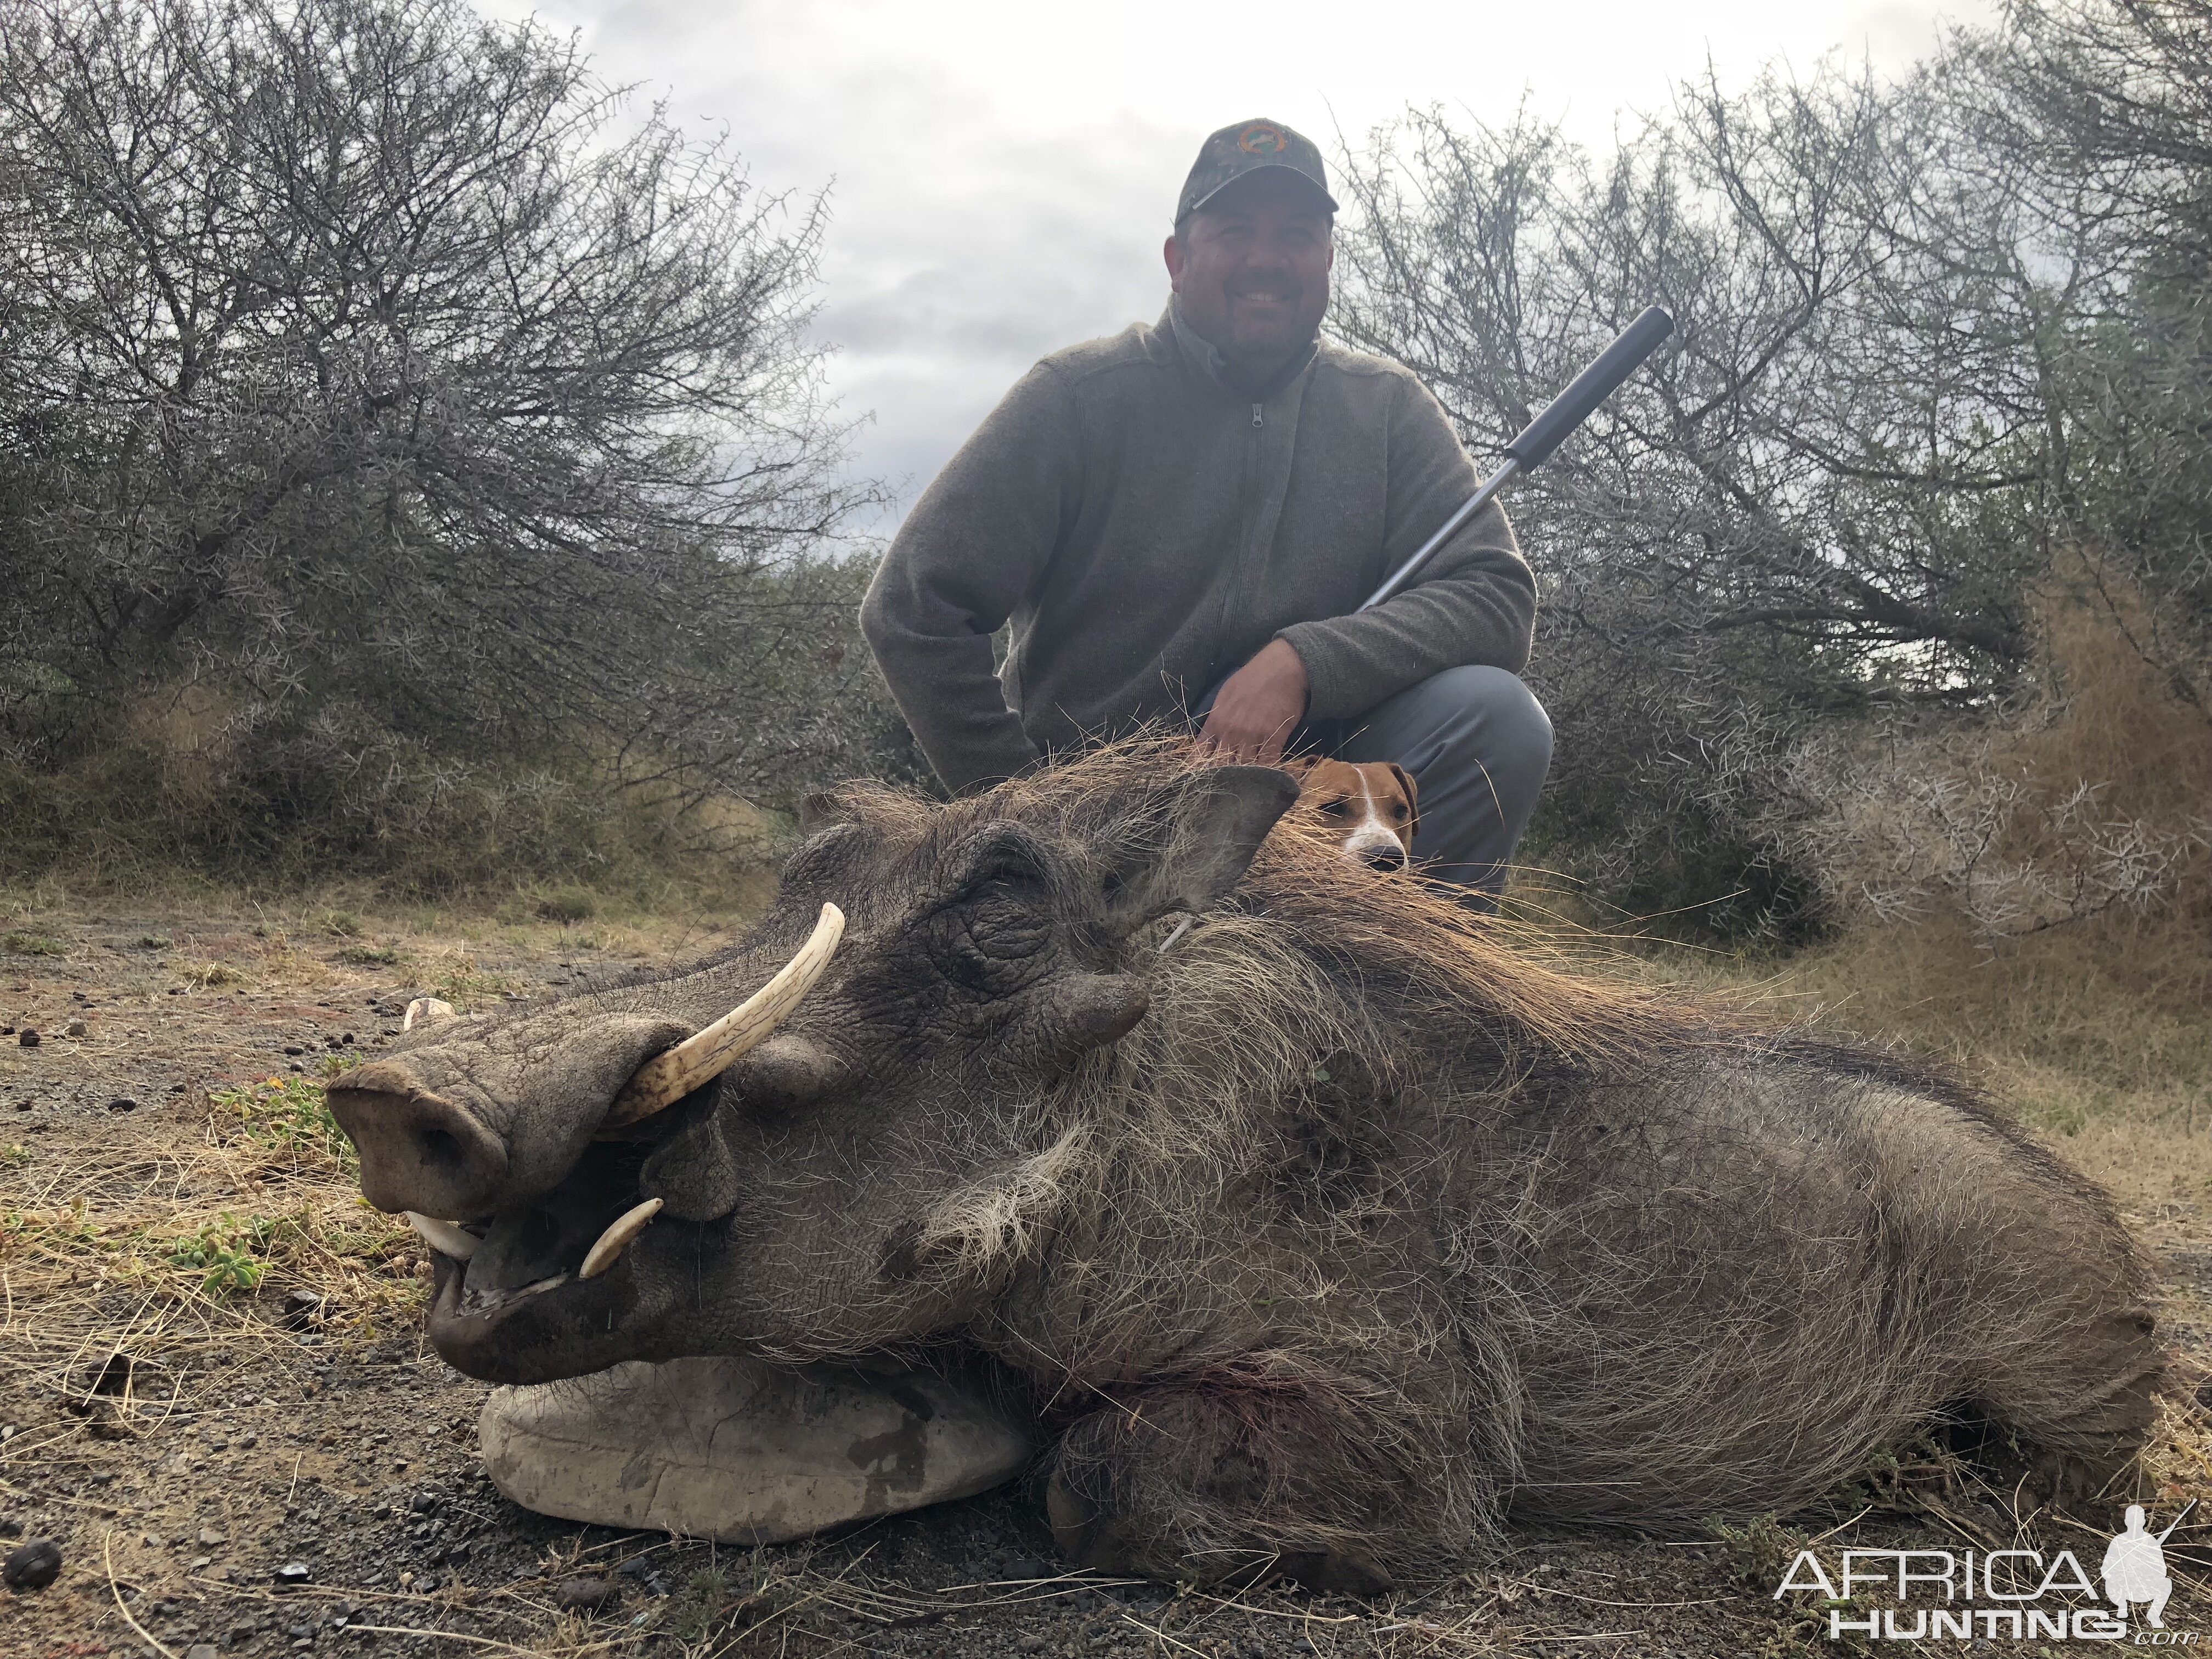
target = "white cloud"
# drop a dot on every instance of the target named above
(1001, 174)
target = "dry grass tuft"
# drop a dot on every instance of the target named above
(2093, 797)
(126, 1276)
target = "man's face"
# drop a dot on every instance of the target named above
(1252, 267)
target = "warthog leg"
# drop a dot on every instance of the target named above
(1219, 1485)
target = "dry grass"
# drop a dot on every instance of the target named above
(2092, 796)
(135, 1244)
(126, 1274)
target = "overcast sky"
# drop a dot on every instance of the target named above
(1000, 175)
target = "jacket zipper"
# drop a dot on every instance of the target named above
(1252, 492)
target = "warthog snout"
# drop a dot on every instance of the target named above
(419, 1150)
(437, 1127)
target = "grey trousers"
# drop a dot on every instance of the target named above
(1478, 744)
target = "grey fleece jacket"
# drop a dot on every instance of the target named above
(1147, 525)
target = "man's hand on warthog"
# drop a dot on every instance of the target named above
(1257, 709)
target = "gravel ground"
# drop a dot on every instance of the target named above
(283, 1467)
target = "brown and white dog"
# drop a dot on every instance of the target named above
(1372, 804)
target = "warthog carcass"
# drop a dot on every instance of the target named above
(1329, 1237)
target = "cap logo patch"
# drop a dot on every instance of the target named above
(1261, 139)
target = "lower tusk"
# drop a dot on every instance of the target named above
(443, 1236)
(616, 1238)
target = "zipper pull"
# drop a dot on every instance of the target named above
(1255, 416)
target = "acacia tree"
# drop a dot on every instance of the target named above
(2109, 105)
(1889, 400)
(371, 364)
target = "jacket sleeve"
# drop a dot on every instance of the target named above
(974, 544)
(1475, 602)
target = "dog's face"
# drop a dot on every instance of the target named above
(1373, 805)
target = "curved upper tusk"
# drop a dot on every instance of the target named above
(669, 1076)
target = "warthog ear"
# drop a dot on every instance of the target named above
(1194, 840)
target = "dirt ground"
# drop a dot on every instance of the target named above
(215, 1398)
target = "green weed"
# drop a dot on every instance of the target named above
(291, 1113)
(231, 1256)
(32, 945)
(1759, 1553)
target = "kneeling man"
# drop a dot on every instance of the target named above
(1181, 521)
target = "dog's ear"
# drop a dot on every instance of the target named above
(1299, 766)
(1412, 797)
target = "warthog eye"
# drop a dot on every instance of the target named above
(997, 926)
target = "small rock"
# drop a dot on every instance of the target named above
(31, 1567)
(293, 1573)
(294, 1048)
(74, 1028)
(1031, 1644)
(199, 1561)
(201, 1651)
(27, 1037)
(9, 1526)
(210, 1537)
(123, 1103)
(585, 1594)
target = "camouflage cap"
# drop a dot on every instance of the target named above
(1244, 147)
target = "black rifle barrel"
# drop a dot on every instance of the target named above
(1543, 435)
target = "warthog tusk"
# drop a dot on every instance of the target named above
(668, 1076)
(443, 1236)
(612, 1243)
(426, 1011)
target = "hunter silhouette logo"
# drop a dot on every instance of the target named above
(2001, 1593)
(2135, 1566)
